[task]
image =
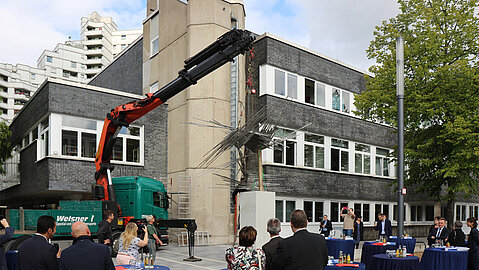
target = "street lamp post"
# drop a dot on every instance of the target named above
(400, 127)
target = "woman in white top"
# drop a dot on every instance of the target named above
(129, 244)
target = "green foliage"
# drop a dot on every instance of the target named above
(5, 146)
(441, 92)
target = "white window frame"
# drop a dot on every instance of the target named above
(49, 59)
(341, 149)
(362, 210)
(284, 145)
(363, 157)
(313, 201)
(314, 145)
(382, 159)
(155, 50)
(42, 151)
(285, 217)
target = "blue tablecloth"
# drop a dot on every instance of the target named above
(157, 267)
(409, 243)
(369, 250)
(336, 245)
(11, 258)
(383, 262)
(362, 266)
(439, 259)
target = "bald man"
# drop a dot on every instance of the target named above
(84, 253)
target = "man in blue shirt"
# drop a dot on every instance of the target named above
(383, 225)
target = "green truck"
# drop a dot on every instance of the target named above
(137, 197)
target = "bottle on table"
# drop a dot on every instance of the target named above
(348, 259)
(340, 256)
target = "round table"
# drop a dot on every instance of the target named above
(336, 245)
(440, 259)
(157, 267)
(362, 266)
(383, 262)
(410, 243)
(369, 250)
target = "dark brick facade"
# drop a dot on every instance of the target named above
(51, 179)
(125, 73)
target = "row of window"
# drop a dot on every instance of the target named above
(316, 209)
(78, 137)
(289, 85)
(317, 151)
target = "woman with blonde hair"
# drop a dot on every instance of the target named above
(129, 244)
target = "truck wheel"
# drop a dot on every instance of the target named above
(116, 243)
(15, 243)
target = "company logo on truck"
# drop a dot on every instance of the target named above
(69, 220)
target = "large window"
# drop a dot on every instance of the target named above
(286, 84)
(460, 212)
(362, 158)
(416, 212)
(473, 211)
(284, 209)
(429, 213)
(381, 208)
(339, 155)
(362, 209)
(285, 147)
(313, 151)
(155, 46)
(309, 91)
(395, 212)
(320, 94)
(313, 210)
(43, 142)
(382, 162)
(78, 137)
(129, 140)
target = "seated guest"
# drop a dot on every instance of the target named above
(383, 225)
(37, 252)
(129, 244)
(84, 253)
(358, 231)
(326, 226)
(457, 238)
(439, 233)
(274, 227)
(435, 225)
(473, 245)
(3, 239)
(244, 257)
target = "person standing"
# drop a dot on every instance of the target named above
(383, 225)
(273, 228)
(84, 253)
(439, 233)
(326, 226)
(457, 238)
(303, 250)
(37, 252)
(104, 233)
(3, 239)
(358, 231)
(473, 245)
(152, 237)
(348, 221)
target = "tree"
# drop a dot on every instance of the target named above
(441, 94)
(5, 146)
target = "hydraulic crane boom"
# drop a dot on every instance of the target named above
(223, 50)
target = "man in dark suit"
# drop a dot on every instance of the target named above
(37, 253)
(3, 239)
(326, 226)
(383, 225)
(84, 253)
(274, 228)
(439, 233)
(303, 250)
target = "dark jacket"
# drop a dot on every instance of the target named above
(388, 229)
(329, 226)
(302, 251)
(473, 241)
(3, 239)
(36, 253)
(361, 231)
(457, 238)
(104, 232)
(86, 254)
(270, 251)
(443, 236)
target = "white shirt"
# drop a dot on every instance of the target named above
(383, 223)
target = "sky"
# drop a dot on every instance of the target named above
(339, 29)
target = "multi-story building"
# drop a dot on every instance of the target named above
(76, 61)
(328, 158)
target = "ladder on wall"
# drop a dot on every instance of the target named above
(184, 196)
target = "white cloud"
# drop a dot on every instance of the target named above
(340, 29)
(29, 27)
